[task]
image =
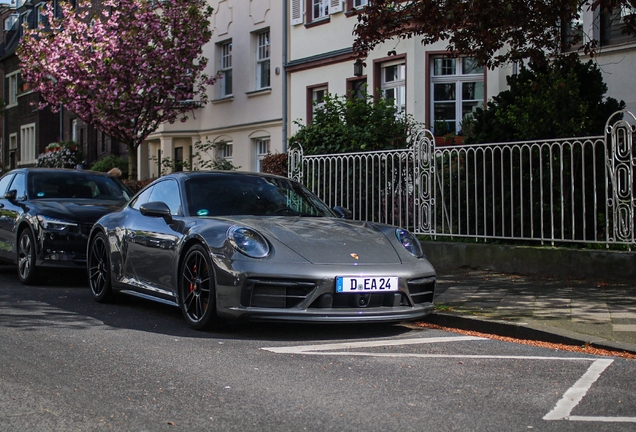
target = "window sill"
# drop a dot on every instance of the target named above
(259, 92)
(318, 22)
(222, 100)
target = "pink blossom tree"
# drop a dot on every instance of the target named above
(122, 66)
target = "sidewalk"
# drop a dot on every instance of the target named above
(559, 310)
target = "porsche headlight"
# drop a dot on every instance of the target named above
(409, 242)
(248, 242)
(53, 224)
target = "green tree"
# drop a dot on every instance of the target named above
(565, 98)
(344, 124)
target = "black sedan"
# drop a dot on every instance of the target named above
(261, 247)
(46, 216)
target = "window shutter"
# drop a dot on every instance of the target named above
(296, 11)
(335, 6)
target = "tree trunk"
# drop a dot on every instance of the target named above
(132, 162)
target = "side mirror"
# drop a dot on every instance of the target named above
(156, 209)
(343, 213)
(11, 195)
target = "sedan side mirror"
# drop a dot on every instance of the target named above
(343, 213)
(156, 209)
(11, 195)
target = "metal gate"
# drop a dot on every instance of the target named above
(574, 190)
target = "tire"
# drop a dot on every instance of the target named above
(197, 294)
(27, 272)
(98, 265)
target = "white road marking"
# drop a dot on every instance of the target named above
(571, 398)
(574, 394)
(309, 349)
(603, 419)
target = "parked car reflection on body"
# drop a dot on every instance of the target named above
(46, 216)
(238, 245)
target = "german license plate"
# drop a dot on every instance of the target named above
(366, 284)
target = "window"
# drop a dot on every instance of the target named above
(612, 25)
(13, 141)
(393, 84)
(315, 99)
(27, 144)
(12, 83)
(457, 89)
(10, 21)
(359, 3)
(357, 88)
(318, 98)
(226, 69)
(262, 60)
(572, 34)
(4, 184)
(40, 14)
(261, 149)
(19, 184)
(168, 192)
(74, 130)
(224, 151)
(320, 9)
(178, 159)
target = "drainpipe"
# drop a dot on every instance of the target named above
(285, 18)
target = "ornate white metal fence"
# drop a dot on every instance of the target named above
(555, 191)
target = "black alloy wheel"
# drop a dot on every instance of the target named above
(27, 273)
(98, 265)
(196, 288)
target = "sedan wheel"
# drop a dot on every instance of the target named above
(196, 288)
(99, 269)
(27, 273)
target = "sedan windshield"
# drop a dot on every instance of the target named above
(57, 185)
(226, 195)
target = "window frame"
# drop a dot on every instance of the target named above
(399, 85)
(12, 88)
(225, 151)
(258, 144)
(311, 92)
(28, 144)
(458, 78)
(225, 68)
(323, 6)
(263, 59)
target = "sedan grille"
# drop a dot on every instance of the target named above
(422, 290)
(281, 294)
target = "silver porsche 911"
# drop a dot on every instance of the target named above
(236, 245)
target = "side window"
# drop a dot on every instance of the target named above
(142, 198)
(19, 185)
(168, 192)
(4, 184)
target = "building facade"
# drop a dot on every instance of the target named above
(243, 121)
(276, 59)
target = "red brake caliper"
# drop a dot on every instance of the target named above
(194, 271)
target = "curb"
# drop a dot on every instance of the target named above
(527, 332)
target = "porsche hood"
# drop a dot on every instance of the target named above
(328, 241)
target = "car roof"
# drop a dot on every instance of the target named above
(69, 171)
(188, 174)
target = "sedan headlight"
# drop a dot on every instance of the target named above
(248, 242)
(409, 242)
(53, 224)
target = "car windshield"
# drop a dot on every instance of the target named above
(228, 195)
(56, 185)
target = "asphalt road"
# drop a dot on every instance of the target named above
(68, 363)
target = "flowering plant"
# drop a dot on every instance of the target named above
(59, 155)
